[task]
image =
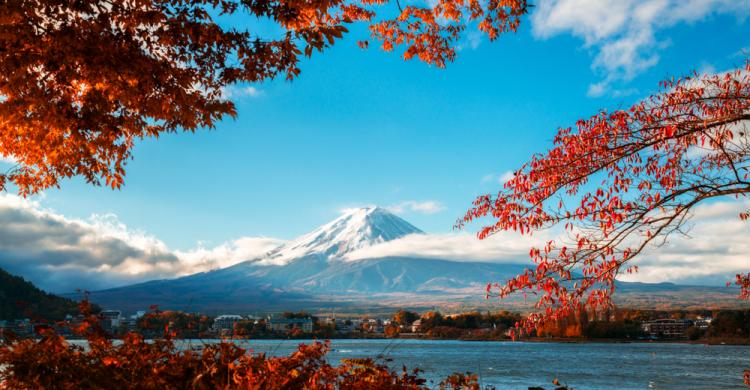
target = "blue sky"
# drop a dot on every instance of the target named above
(364, 127)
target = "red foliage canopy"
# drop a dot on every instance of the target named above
(656, 161)
(80, 81)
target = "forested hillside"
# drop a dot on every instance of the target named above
(21, 299)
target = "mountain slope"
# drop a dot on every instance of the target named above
(313, 271)
(408, 275)
(336, 284)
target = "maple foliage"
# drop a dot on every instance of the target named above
(619, 182)
(81, 81)
(136, 363)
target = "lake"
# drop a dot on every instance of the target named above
(517, 365)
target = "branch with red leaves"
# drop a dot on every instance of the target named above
(621, 182)
(82, 81)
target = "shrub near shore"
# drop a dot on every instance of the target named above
(51, 362)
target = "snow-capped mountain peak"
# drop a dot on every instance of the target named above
(354, 229)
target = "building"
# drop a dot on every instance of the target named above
(115, 316)
(372, 326)
(22, 327)
(346, 326)
(416, 326)
(702, 322)
(286, 325)
(667, 327)
(225, 322)
(110, 320)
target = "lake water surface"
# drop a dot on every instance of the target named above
(517, 365)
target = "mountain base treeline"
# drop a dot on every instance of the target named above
(21, 299)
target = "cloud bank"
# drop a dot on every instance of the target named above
(624, 34)
(500, 248)
(716, 247)
(61, 254)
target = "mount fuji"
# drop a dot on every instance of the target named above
(355, 229)
(314, 272)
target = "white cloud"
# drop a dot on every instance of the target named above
(505, 177)
(235, 92)
(7, 159)
(625, 34)
(501, 248)
(62, 254)
(228, 253)
(473, 39)
(501, 178)
(424, 207)
(715, 249)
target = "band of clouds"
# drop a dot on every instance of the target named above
(62, 254)
(499, 248)
(715, 248)
(624, 34)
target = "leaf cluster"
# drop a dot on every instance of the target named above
(82, 81)
(620, 182)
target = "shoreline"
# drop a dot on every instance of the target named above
(707, 342)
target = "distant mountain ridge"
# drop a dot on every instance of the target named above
(314, 271)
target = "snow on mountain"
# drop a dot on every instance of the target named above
(355, 229)
(312, 271)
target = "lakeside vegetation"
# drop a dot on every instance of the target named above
(702, 326)
(49, 361)
(22, 300)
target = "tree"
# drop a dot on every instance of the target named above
(391, 330)
(81, 81)
(431, 319)
(21, 299)
(405, 317)
(731, 323)
(653, 162)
